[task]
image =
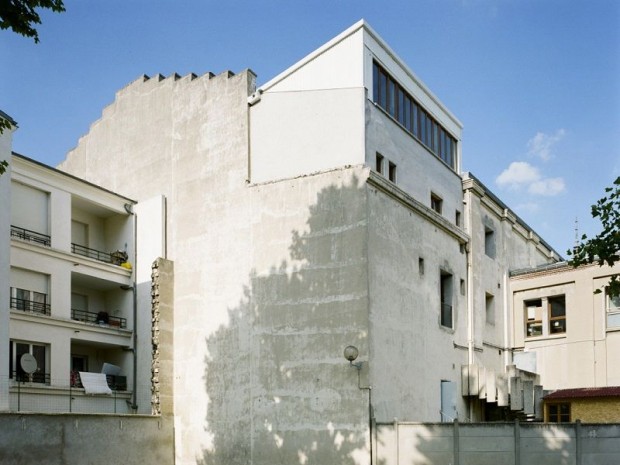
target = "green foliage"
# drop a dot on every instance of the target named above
(21, 15)
(605, 247)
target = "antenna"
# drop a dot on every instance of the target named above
(576, 232)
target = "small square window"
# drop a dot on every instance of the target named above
(379, 163)
(558, 413)
(392, 172)
(436, 203)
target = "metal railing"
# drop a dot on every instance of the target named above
(30, 306)
(91, 253)
(31, 236)
(101, 318)
(115, 382)
(40, 393)
(36, 377)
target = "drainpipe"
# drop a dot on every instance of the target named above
(134, 289)
(470, 281)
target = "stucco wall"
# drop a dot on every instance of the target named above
(603, 410)
(85, 439)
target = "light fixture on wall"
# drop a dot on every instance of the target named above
(351, 353)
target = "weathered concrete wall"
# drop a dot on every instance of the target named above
(270, 280)
(85, 439)
(406, 333)
(497, 444)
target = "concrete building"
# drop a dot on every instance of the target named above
(322, 210)
(67, 248)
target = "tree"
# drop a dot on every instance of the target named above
(21, 15)
(605, 247)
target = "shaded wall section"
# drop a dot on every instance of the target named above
(85, 439)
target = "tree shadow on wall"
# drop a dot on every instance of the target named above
(279, 389)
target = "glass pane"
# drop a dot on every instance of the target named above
(382, 89)
(375, 82)
(557, 306)
(391, 98)
(22, 299)
(401, 107)
(613, 320)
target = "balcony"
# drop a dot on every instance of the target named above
(37, 377)
(115, 382)
(100, 318)
(30, 306)
(116, 258)
(30, 236)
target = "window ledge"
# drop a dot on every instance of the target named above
(545, 338)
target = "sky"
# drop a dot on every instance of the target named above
(536, 83)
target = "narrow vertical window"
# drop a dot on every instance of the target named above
(489, 309)
(557, 314)
(391, 171)
(379, 163)
(445, 289)
(457, 218)
(489, 242)
(421, 266)
(534, 318)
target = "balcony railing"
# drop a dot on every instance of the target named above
(115, 258)
(36, 377)
(115, 382)
(30, 306)
(30, 236)
(101, 318)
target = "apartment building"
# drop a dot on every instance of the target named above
(67, 296)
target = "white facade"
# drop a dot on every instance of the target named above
(68, 293)
(322, 210)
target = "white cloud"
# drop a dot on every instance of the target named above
(548, 187)
(521, 175)
(541, 144)
(517, 174)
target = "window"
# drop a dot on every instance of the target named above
(545, 316)
(421, 266)
(379, 163)
(446, 299)
(38, 351)
(436, 203)
(613, 311)
(457, 218)
(489, 242)
(29, 301)
(533, 311)
(393, 98)
(490, 309)
(558, 413)
(392, 172)
(462, 287)
(557, 314)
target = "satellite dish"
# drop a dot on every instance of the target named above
(28, 363)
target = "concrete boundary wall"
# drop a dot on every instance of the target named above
(66, 439)
(497, 444)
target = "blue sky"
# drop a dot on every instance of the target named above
(536, 83)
